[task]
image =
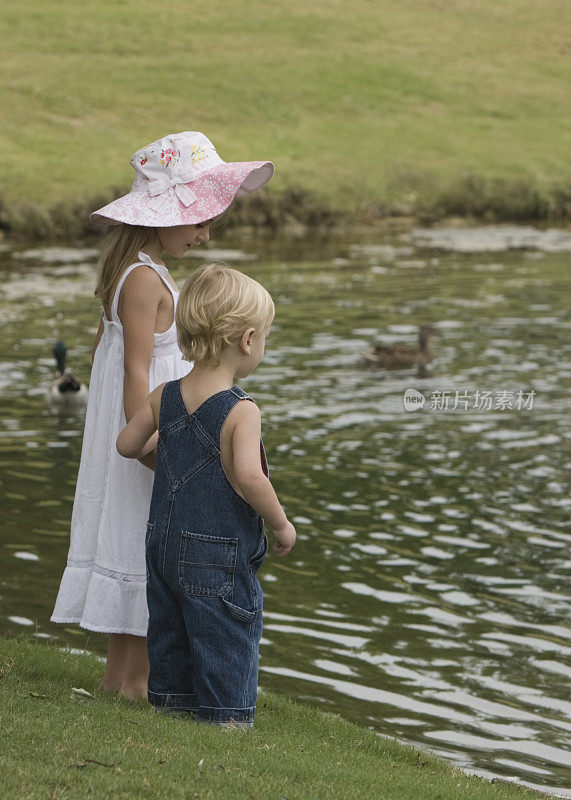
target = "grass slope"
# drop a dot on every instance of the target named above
(400, 101)
(57, 744)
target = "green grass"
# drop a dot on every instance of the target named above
(400, 104)
(57, 744)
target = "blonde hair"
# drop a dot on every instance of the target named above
(215, 306)
(118, 251)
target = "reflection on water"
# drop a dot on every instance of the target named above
(427, 596)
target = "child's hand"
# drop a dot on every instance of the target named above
(149, 460)
(286, 539)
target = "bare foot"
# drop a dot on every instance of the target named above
(132, 691)
(127, 668)
(107, 686)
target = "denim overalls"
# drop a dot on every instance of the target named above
(204, 546)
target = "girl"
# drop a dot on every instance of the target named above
(180, 186)
(205, 537)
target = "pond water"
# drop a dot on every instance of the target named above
(427, 596)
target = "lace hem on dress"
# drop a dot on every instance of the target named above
(108, 573)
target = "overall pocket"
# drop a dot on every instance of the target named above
(206, 564)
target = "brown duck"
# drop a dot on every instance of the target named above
(400, 356)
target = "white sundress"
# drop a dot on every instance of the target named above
(103, 585)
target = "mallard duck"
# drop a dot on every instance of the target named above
(400, 356)
(65, 390)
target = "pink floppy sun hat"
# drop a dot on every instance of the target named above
(181, 180)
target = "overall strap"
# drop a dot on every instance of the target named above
(212, 414)
(172, 405)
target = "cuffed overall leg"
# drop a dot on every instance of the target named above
(224, 642)
(203, 653)
(168, 647)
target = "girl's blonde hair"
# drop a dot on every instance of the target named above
(119, 250)
(215, 306)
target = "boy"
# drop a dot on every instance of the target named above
(205, 538)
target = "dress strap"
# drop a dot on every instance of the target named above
(146, 260)
(115, 303)
(160, 269)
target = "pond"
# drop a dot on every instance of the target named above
(427, 595)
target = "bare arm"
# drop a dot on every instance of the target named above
(138, 304)
(254, 485)
(98, 336)
(136, 439)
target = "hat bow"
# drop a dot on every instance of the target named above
(163, 190)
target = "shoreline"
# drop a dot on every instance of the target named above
(63, 733)
(297, 212)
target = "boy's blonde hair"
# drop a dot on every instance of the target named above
(215, 306)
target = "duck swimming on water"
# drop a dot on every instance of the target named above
(400, 356)
(65, 390)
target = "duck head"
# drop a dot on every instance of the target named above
(60, 352)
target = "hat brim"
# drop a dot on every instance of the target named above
(214, 190)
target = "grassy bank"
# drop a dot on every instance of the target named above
(60, 743)
(397, 107)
